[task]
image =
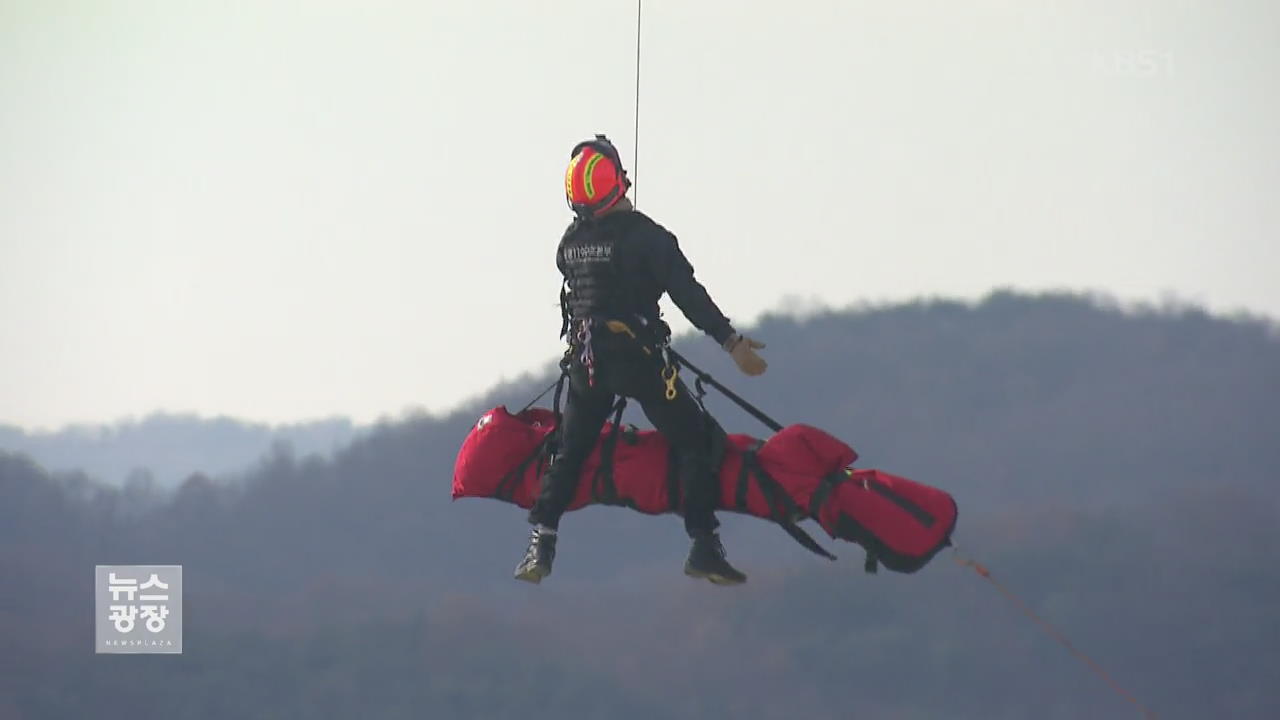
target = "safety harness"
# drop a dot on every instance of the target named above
(782, 509)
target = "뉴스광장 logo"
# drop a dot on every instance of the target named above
(138, 609)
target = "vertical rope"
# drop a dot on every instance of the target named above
(635, 163)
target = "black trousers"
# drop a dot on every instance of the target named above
(622, 368)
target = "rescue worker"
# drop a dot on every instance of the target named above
(617, 263)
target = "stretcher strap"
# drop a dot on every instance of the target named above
(821, 494)
(782, 509)
(507, 485)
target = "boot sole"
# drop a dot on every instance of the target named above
(533, 575)
(715, 578)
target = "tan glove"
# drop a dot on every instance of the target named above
(743, 349)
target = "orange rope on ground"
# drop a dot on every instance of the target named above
(1052, 631)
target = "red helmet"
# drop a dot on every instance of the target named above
(595, 180)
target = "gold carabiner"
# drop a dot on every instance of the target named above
(670, 379)
(618, 326)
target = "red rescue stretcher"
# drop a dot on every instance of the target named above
(798, 473)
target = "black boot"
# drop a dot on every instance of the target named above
(538, 558)
(707, 560)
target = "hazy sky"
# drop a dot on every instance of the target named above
(285, 210)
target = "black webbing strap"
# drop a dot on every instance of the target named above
(555, 399)
(871, 564)
(798, 534)
(553, 438)
(558, 385)
(507, 485)
(821, 494)
(782, 509)
(744, 477)
(546, 450)
(756, 412)
(699, 393)
(564, 308)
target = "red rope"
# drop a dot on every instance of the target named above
(1053, 632)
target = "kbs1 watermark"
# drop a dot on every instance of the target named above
(1134, 64)
(138, 609)
(1119, 63)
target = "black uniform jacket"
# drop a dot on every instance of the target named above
(619, 266)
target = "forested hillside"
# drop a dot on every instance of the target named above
(1115, 468)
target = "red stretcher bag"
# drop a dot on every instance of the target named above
(799, 473)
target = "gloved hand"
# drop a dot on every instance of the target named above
(743, 349)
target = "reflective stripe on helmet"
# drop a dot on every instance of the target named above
(588, 182)
(568, 176)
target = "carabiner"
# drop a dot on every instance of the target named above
(669, 375)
